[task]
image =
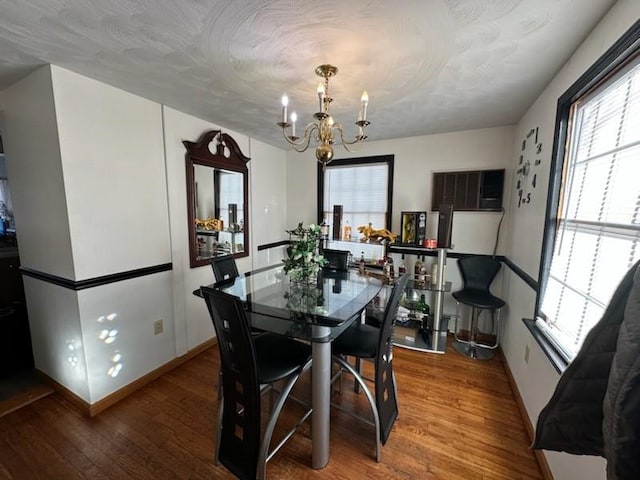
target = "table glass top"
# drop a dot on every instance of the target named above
(318, 312)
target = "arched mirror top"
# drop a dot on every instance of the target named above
(217, 198)
(219, 150)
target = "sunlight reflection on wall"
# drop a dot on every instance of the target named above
(109, 335)
(73, 349)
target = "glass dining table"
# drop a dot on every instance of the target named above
(318, 312)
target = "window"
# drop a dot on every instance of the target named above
(231, 192)
(592, 235)
(363, 186)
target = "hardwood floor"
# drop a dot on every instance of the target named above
(20, 389)
(458, 421)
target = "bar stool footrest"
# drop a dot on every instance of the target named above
(481, 339)
(476, 352)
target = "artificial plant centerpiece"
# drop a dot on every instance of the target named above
(304, 261)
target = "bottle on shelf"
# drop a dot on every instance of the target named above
(402, 268)
(417, 268)
(403, 300)
(434, 273)
(346, 231)
(324, 230)
(422, 275)
(422, 310)
(361, 264)
(422, 307)
(388, 269)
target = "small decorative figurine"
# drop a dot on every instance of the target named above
(378, 234)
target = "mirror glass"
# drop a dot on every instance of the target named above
(217, 198)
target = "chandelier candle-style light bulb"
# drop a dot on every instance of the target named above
(364, 101)
(294, 117)
(324, 127)
(285, 102)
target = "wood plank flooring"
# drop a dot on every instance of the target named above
(20, 389)
(458, 421)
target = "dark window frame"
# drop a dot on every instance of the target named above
(358, 161)
(620, 52)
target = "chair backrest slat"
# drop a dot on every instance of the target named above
(386, 401)
(337, 259)
(224, 268)
(240, 439)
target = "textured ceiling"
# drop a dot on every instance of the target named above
(429, 66)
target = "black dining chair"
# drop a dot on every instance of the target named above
(478, 272)
(363, 341)
(250, 366)
(224, 268)
(336, 259)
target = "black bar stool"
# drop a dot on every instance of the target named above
(478, 273)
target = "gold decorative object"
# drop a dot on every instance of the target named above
(210, 224)
(378, 234)
(323, 130)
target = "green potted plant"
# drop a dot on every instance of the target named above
(304, 261)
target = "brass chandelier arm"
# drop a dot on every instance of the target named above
(323, 129)
(358, 140)
(305, 140)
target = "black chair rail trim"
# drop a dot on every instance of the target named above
(96, 281)
(267, 246)
(528, 279)
(558, 362)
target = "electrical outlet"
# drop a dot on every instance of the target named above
(157, 327)
(526, 354)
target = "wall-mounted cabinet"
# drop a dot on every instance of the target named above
(469, 190)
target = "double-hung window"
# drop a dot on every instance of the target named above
(592, 235)
(362, 186)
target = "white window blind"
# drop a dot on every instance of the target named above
(362, 192)
(598, 229)
(231, 192)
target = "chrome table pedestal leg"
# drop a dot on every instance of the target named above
(320, 401)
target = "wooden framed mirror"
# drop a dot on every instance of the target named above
(217, 198)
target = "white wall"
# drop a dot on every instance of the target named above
(129, 308)
(268, 202)
(56, 334)
(192, 323)
(415, 161)
(114, 177)
(34, 166)
(536, 378)
(115, 163)
(90, 201)
(266, 219)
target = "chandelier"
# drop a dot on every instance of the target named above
(325, 128)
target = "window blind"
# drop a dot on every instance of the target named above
(598, 229)
(231, 192)
(361, 190)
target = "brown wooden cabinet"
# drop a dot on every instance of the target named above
(468, 190)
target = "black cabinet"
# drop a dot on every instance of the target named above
(15, 344)
(468, 190)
